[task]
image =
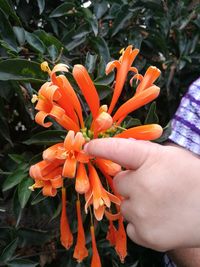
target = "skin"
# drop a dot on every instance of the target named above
(161, 191)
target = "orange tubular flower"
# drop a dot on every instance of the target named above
(98, 195)
(136, 102)
(80, 251)
(66, 236)
(123, 66)
(144, 132)
(111, 234)
(87, 88)
(107, 166)
(58, 100)
(121, 240)
(70, 152)
(96, 262)
(149, 78)
(47, 175)
(82, 181)
(53, 100)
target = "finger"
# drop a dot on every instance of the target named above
(132, 234)
(125, 210)
(121, 183)
(128, 153)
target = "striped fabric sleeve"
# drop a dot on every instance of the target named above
(186, 121)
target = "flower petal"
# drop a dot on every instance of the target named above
(69, 168)
(96, 262)
(137, 101)
(149, 78)
(82, 184)
(66, 236)
(87, 88)
(40, 118)
(99, 212)
(144, 132)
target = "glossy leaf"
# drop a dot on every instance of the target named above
(24, 192)
(62, 10)
(41, 5)
(35, 42)
(13, 179)
(9, 251)
(22, 263)
(46, 137)
(21, 70)
(152, 116)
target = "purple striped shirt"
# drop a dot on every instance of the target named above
(186, 121)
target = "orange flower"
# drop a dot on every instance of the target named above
(147, 81)
(111, 234)
(70, 152)
(137, 101)
(121, 240)
(96, 262)
(98, 196)
(58, 100)
(66, 237)
(80, 251)
(107, 166)
(87, 88)
(123, 66)
(82, 181)
(47, 175)
(144, 132)
(102, 122)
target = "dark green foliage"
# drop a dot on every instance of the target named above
(167, 32)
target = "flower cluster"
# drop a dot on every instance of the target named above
(58, 100)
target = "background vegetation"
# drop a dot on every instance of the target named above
(92, 33)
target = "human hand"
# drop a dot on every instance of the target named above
(161, 189)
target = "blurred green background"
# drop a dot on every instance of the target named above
(91, 33)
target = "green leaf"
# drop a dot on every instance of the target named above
(121, 18)
(24, 192)
(152, 116)
(46, 137)
(90, 62)
(102, 48)
(100, 9)
(38, 198)
(4, 129)
(103, 91)
(4, 5)
(34, 237)
(131, 122)
(17, 158)
(21, 70)
(41, 5)
(35, 42)
(91, 19)
(53, 52)
(57, 212)
(62, 10)
(9, 251)
(106, 79)
(48, 39)
(20, 34)
(6, 32)
(22, 263)
(13, 179)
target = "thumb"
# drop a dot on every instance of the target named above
(128, 153)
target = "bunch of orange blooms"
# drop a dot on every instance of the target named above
(67, 160)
